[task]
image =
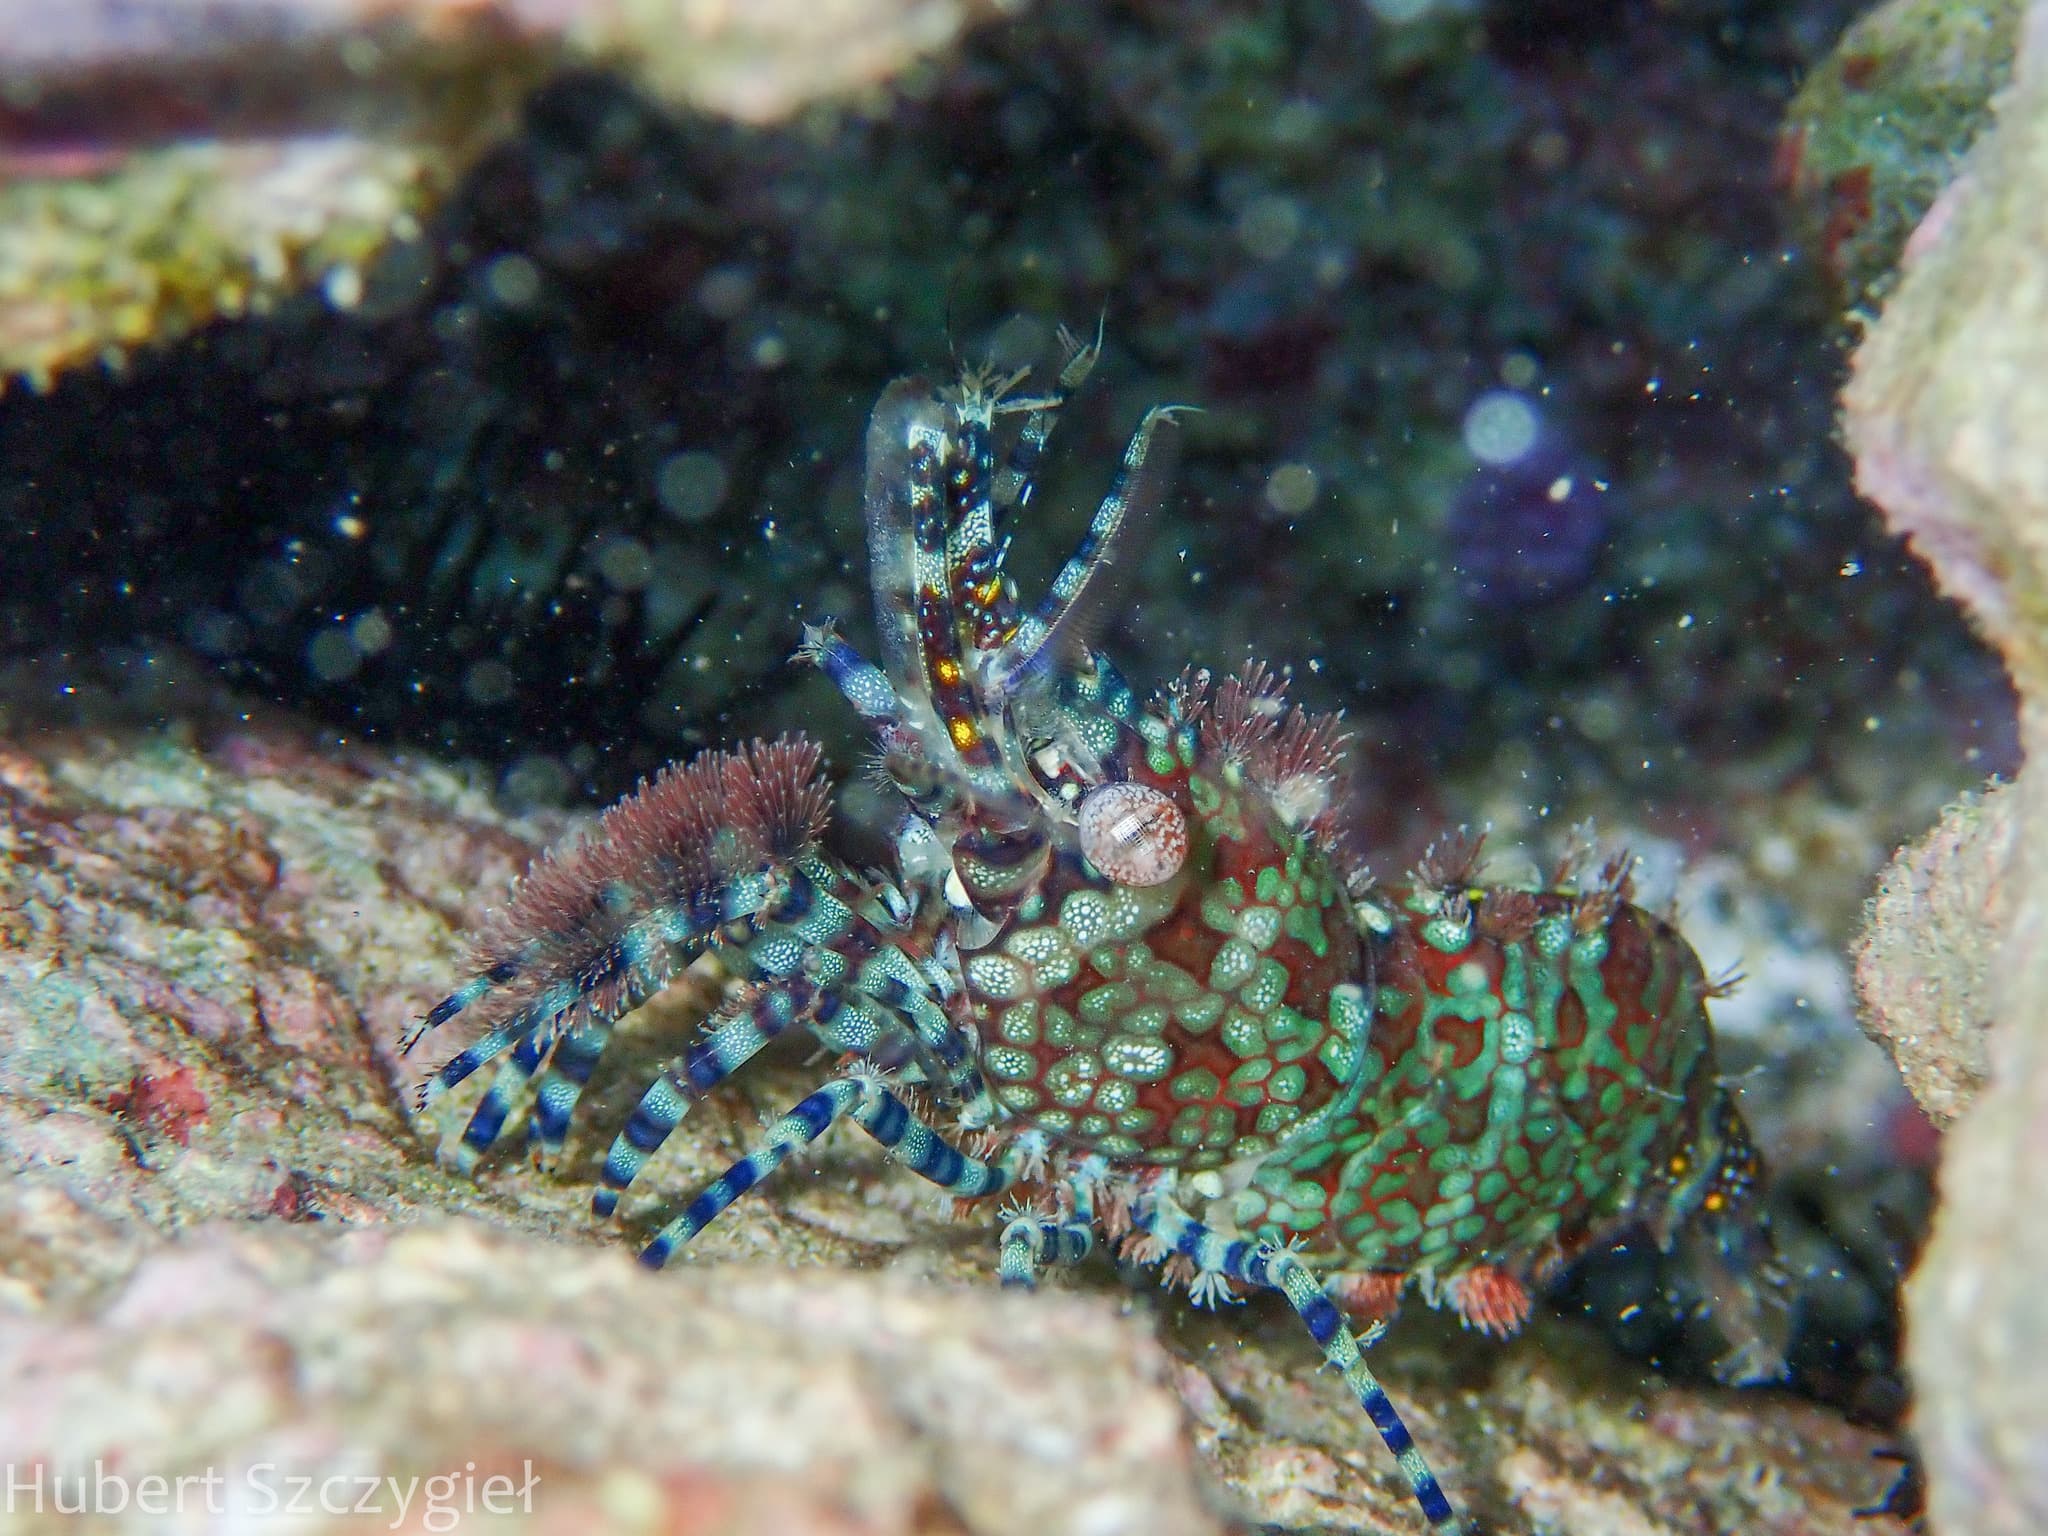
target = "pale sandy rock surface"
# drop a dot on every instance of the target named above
(728, 1398)
(223, 1244)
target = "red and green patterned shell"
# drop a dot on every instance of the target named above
(1416, 1083)
(1187, 1024)
(1538, 1067)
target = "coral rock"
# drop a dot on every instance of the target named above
(1924, 962)
(164, 163)
(1944, 414)
(604, 1397)
(1876, 131)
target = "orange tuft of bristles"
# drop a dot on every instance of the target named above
(1611, 889)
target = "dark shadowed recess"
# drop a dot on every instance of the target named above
(557, 493)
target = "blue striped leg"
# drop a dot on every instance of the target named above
(1266, 1266)
(834, 936)
(554, 1099)
(860, 682)
(1019, 475)
(572, 1052)
(1032, 1238)
(978, 542)
(571, 1056)
(538, 1017)
(929, 1155)
(506, 1093)
(863, 1096)
(944, 1049)
(737, 1036)
(502, 973)
(804, 1124)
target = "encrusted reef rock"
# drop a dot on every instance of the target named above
(1945, 414)
(164, 163)
(225, 1251)
(1925, 964)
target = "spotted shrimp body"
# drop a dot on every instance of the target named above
(1124, 956)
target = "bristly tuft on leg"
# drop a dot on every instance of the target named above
(687, 830)
(776, 794)
(592, 930)
(1211, 1291)
(1489, 1299)
(1369, 1297)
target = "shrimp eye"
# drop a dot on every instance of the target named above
(1134, 834)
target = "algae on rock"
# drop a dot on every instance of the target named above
(1876, 131)
(310, 134)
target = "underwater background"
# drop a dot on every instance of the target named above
(425, 419)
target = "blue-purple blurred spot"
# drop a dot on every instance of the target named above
(1528, 530)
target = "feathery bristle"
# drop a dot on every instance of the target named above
(1574, 864)
(1613, 888)
(571, 894)
(1725, 983)
(1187, 696)
(690, 827)
(1451, 861)
(777, 797)
(1307, 744)
(1507, 914)
(1244, 713)
(1284, 748)
(1141, 1247)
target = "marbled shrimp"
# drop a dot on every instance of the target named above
(1126, 955)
